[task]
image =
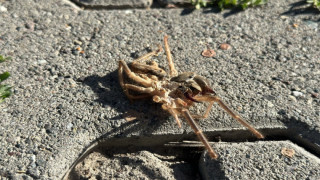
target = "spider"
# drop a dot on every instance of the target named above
(176, 92)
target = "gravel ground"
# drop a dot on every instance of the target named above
(66, 91)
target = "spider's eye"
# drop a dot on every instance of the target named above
(181, 88)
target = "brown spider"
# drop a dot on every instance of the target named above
(176, 92)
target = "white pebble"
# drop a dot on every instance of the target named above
(33, 158)
(3, 9)
(42, 61)
(69, 126)
(297, 93)
(127, 11)
(270, 105)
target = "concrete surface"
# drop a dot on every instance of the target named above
(67, 97)
(243, 161)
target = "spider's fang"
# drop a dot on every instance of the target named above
(207, 90)
(187, 95)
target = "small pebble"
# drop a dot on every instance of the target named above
(69, 126)
(270, 105)
(33, 158)
(304, 49)
(3, 9)
(314, 95)
(42, 61)
(68, 27)
(30, 26)
(297, 93)
(128, 11)
(225, 46)
(72, 83)
(77, 42)
(208, 53)
(292, 98)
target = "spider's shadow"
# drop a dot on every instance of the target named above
(108, 90)
(111, 96)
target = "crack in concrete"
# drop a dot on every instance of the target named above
(154, 5)
(181, 143)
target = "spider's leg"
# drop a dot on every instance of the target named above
(175, 115)
(147, 56)
(124, 67)
(168, 108)
(152, 68)
(140, 89)
(147, 91)
(211, 99)
(146, 82)
(173, 71)
(198, 132)
(206, 113)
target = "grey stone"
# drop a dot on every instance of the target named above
(260, 160)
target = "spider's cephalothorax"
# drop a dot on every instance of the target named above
(192, 85)
(176, 92)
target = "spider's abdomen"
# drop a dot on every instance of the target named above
(191, 85)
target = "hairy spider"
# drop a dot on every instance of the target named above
(176, 92)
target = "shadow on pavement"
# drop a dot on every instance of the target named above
(215, 10)
(302, 133)
(110, 95)
(300, 8)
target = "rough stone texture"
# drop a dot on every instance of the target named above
(249, 160)
(111, 4)
(260, 160)
(65, 84)
(141, 165)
